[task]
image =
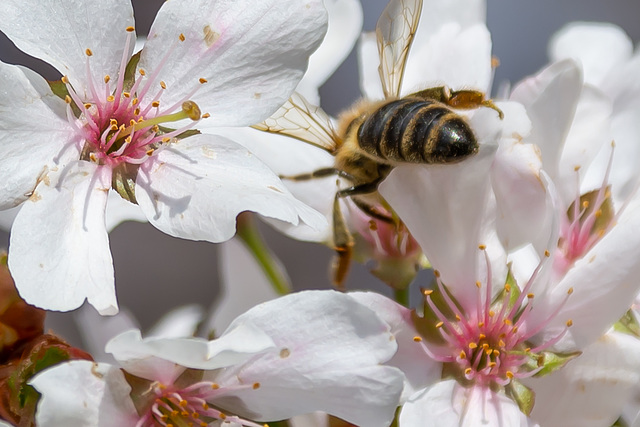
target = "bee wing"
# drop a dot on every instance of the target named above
(395, 30)
(299, 119)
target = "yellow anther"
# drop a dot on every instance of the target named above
(417, 339)
(65, 80)
(527, 350)
(215, 386)
(150, 152)
(481, 336)
(598, 213)
(107, 78)
(585, 204)
(501, 343)
(570, 291)
(163, 85)
(576, 168)
(114, 127)
(195, 415)
(182, 37)
(126, 94)
(507, 322)
(473, 345)
(496, 353)
(137, 112)
(478, 284)
(480, 324)
(439, 324)
(205, 406)
(458, 318)
(183, 403)
(463, 355)
(132, 122)
(135, 101)
(468, 371)
(507, 287)
(142, 72)
(87, 106)
(492, 365)
(206, 115)
(202, 80)
(67, 99)
(223, 416)
(436, 273)
(155, 104)
(530, 295)
(192, 110)
(256, 386)
(569, 323)
(88, 52)
(509, 374)
(110, 98)
(166, 139)
(514, 330)
(427, 292)
(547, 253)
(130, 29)
(492, 313)
(482, 247)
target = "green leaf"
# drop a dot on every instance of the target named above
(522, 395)
(551, 362)
(628, 325)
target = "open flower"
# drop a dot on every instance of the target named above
(112, 127)
(312, 351)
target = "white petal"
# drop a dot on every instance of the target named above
(411, 358)
(196, 188)
(163, 359)
(329, 351)
(345, 24)
(551, 98)
(178, 323)
(84, 394)
(59, 249)
(455, 57)
(60, 31)
(244, 285)
(288, 156)
(592, 389)
(443, 205)
(32, 132)
(599, 47)
(368, 61)
(97, 330)
(253, 54)
(448, 404)
(604, 281)
(120, 210)
(436, 14)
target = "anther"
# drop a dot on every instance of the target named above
(436, 273)
(205, 406)
(439, 324)
(215, 386)
(182, 37)
(468, 371)
(110, 98)
(427, 292)
(256, 386)
(481, 336)
(65, 80)
(87, 106)
(570, 291)
(569, 323)
(130, 29)
(507, 287)
(576, 168)
(206, 115)
(478, 284)
(223, 416)
(547, 253)
(155, 104)
(202, 80)
(482, 247)
(492, 313)
(88, 52)
(530, 295)
(163, 85)
(183, 403)
(509, 374)
(126, 94)
(107, 78)
(473, 345)
(463, 355)
(192, 110)
(135, 101)
(417, 339)
(67, 99)
(142, 72)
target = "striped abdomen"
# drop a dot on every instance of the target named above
(416, 131)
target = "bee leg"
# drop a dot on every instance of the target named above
(372, 211)
(466, 99)
(320, 173)
(440, 94)
(342, 238)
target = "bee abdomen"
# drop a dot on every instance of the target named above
(416, 131)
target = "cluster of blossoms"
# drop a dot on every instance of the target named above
(532, 236)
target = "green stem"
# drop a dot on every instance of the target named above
(402, 296)
(250, 235)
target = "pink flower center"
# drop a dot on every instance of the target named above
(189, 406)
(588, 218)
(490, 345)
(120, 123)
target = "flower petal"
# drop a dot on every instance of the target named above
(287, 157)
(244, 285)
(253, 54)
(84, 394)
(448, 404)
(196, 188)
(419, 368)
(120, 210)
(329, 351)
(59, 248)
(592, 389)
(599, 47)
(604, 281)
(455, 57)
(345, 25)
(442, 206)
(33, 132)
(96, 330)
(157, 358)
(550, 98)
(60, 31)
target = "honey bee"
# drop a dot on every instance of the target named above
(373, 137)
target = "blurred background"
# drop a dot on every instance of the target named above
(155, 272)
